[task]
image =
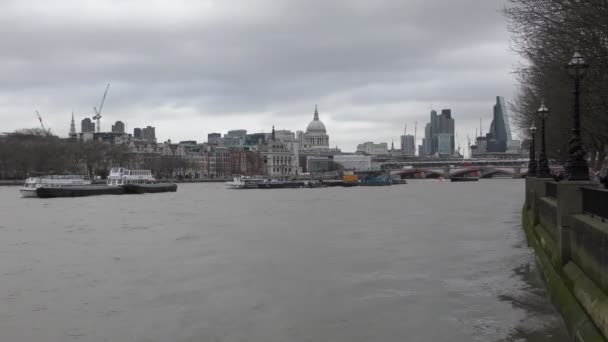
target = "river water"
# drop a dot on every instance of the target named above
(428, 261)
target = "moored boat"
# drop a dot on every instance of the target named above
(244, 182)
(32, 184)
(121, 181)
(376, 180)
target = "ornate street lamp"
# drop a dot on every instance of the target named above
(576, 166)
(543, 163)
(532, 162)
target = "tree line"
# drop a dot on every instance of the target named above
(546, 33)
(30, 152)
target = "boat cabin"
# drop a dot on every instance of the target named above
(122, 176)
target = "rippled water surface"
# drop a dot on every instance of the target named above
(427, 261)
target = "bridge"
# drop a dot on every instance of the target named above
(440, 163)
(449, 171)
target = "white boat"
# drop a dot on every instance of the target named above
(122, 176)
(244, 182)
(55, 181)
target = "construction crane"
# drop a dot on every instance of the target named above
(98, 112)
(46, 132)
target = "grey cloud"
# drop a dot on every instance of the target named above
(269, 60)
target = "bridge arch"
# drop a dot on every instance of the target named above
(483, 172)
(418, 173)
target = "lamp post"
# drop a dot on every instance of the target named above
(576, 166)
(532, 162)
(543, 163)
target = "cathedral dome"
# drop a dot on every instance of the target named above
(316, 126)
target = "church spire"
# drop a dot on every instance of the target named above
(72, 127)
(273, 135)
(316, 114)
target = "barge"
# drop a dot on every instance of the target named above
(121, 181)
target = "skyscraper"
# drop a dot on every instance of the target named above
(499, 136)
(439, 135)
(498, 140)
(408, 145)
(427, 141)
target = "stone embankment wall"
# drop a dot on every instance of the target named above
(567, 225)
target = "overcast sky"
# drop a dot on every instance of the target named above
(190, 67)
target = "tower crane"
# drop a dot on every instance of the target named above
(98, 112)
(42, 124)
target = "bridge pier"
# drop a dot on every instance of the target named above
(446, 172)
(516, 171)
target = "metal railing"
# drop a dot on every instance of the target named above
(595, 202)
(551, 190)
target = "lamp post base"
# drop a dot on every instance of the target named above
(576, 166)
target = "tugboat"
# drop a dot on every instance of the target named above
(52, 181)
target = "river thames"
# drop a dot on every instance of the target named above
(428, 261)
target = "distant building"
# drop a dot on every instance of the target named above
(228, 141)
(441, 125)
(252, 141)
(149, 133)
(137, 135)
(291, 142)
(316, 137)
(87, 126)
(214, 138)
(370, 148)
(445, 147)
(234, 138)
(105, 137)
(427, 141)
(118, 127)
(408, 145)
(498, 141)
(279, 159)
(353, 162)
(237, 133)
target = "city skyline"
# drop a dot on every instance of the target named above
(412, 136)
(191, 68)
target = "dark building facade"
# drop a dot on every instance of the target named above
(87, 126)
(214, 138)
(137, 134)
(439, 135)
(118, 127)
(499, 137)
(149, 133)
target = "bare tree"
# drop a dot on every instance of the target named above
(546, 33)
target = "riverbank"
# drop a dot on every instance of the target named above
(11, 182)
(570, 248)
